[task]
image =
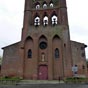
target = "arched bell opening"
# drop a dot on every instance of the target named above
(51, 4)
(37, 5)
(54, 19)
(44, 4)
(36, 20)
(45, 19)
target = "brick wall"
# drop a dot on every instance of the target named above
(11, 61)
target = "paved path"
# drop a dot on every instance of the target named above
(47, 86)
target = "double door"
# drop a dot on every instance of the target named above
(43, 72)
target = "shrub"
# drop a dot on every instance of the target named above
(76, 80)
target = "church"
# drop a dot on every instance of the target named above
(45, 51)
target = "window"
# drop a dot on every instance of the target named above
(56, 53)
(37, 21)
(64, 45)
(45, 20)
(29, 53)
(44, 4)
(37, 5)
(51, 4)
(54, 20)
(75, 69)
(43, 45)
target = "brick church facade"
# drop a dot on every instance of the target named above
(45, 51)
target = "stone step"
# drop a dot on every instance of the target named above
(46, 86)
(40, 82)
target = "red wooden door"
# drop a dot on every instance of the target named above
(43, 73)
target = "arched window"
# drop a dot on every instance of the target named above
(29, 53)
(45, 20)
(51, 3)
(54, 19)
(44, 4)
(37, 21)
(37, 5)
(57, 53)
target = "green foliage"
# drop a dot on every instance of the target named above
(9, 80)
(76, 80)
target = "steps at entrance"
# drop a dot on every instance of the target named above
(40, 82)
(46, 86)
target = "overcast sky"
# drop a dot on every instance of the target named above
(11, 21)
